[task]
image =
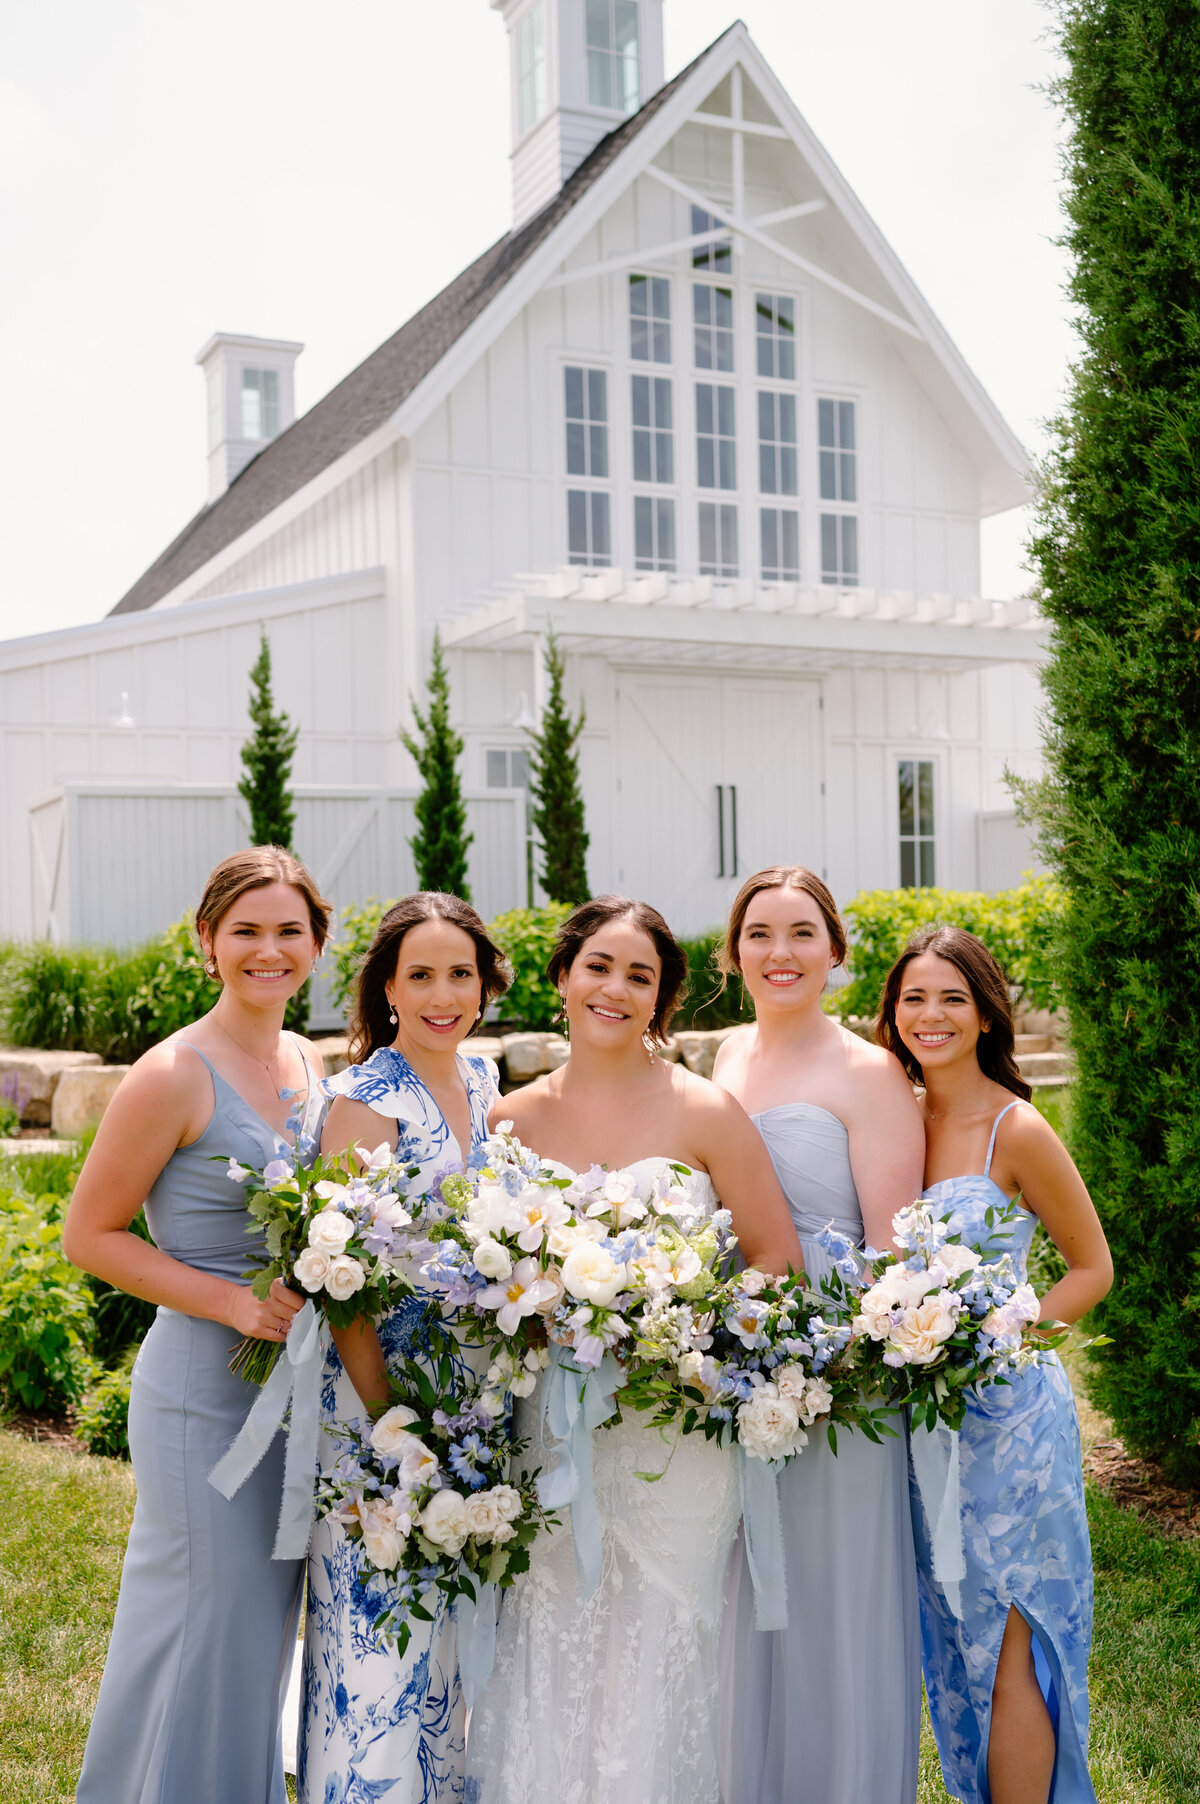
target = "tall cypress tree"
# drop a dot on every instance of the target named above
(267, 759)
(556, 797)
(441, 840)
(265, 787)
(1118, 548)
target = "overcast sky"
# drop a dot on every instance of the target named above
(297, 170)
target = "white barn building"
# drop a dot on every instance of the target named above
(690, 412)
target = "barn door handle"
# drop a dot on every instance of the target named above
(720, 830)
(733, 826)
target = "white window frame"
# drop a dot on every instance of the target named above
(522, 78)
(777, 445)
(655, 503)
(716, 437)
(262, 372)
(568, 481)
(917, 755)
(652, 319)
(590, 425)
(837, 509)
(714, 369)
(622, 101)
(704, 256)
(720, 567)
(780, 574)
(774, 338)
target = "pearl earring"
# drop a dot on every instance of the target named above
(392, 1017)
(210, 966)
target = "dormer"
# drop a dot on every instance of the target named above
(251, 400)
(577, 69)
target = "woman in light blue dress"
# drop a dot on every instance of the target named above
(373, 1725)
(1005, 1650)
(828, 1709)
(205, 1628)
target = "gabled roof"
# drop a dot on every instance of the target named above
(370, 394)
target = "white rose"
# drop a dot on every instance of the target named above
(329, 1230)
(923, 1331)
(565, 1235)
(483, 1515)
(311, 1268)
(384, 1532)
(550, 1302)
(593, 1275)
(955, 1260)
(688, 1366)
(444, 1521)
(790, 1381)
(753, 1281)
(769, 1425)
(491, 1259)
(876, 1316)
(818, 1401)
(390, 1434)
(344, 1277)
(508, 1502)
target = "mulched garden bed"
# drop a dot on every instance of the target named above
(51, 1431)
(1137, 1486)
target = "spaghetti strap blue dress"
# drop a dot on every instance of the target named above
(828, 1709)
(1025, 1538)
(206, 1620)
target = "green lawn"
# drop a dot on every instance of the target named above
(64, 1518)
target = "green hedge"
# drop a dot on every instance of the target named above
(1018, 926)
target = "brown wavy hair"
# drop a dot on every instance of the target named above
(989, 992)
(591, 916)
(370, 1027)
(779, 876)
(255, 868)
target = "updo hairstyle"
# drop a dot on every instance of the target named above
(591, 916)
(370, 1027)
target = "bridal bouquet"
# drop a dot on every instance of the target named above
(426, 1495)
(933, 1320)
(334, 1231)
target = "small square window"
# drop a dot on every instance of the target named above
(780, 531)
(712, 312)
(507, 767)
(916, 822)
(649, 319)
(718, 539)
(775, 336)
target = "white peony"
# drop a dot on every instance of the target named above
(344, 1277)
(508, 1502)
(390, 1434)
(790, 1381)
(444, 1521)
(329, 1230)
(312, 1268)
(593, 1275)
(384, 1532)
(769, 1425)
(491, 1259)
(489, 1516)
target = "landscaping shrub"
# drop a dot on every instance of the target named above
(1118, 556)
(527, 936)
(102, 1417)
(440, 843)
(173, 988)
(707, 1004)
(45, 1311)
(1018, 926)
(352, 939)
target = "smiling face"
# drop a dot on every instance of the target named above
(263, 944)
(937, 1017)
(610, 991)
(784, 950)
(435, 990)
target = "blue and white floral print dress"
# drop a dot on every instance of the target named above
(374, 1726)
(1025, 1539)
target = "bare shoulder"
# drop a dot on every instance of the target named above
(311, 1053)
(873, 1065)
(703, 1098)
(1025, 1130)
(731, 1053)
(522, 1107)
(172, 1069)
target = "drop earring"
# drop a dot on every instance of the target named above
(392, 1014)
(648, 1043)
(210, 966)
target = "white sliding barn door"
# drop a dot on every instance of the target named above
(719, 776)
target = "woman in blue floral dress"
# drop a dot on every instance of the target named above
(374, 1726)
(1004, 1651)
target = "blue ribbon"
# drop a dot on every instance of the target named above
(476, 1641)
(936, 1468)
(296, 1380)
(575, 1403)
(758, 1485)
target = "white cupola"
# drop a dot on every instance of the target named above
(251, 400)
(577, 68)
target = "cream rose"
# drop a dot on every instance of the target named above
(312, 1268)
(818, 1401)
(550, 1302)
(565, 1235)
(769, 1425)
(955, 1260)
(384, 1532)
(593, 1275)
(688, 1366)
(924, 1330)
(390, 1434)
(444, 1521)
(344, 1277)
(508, 1502)
(329, 1230)
(488, 1515)
(491, 1259)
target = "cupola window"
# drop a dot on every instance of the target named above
(260, 404)
(531, 68)
(612, 55)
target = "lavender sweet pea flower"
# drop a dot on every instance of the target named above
(276, 1171)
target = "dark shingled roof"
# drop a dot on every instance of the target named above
(370, 394)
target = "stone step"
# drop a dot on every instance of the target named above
(81, 1097)
(1027, 1043)
(30, 1078)
(1045, 1064)
(26, 1148)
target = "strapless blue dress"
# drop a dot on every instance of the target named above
(1025, 1540)
(206, 1621)
(828, 1709)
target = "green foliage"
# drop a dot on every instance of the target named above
(102, 1416)
(441, 840)
(175, 989)
(267, 759)
(355, 931)
(45, 1311)
(1118, 554)
(526, 936)
(1018, 926)
(708, 1004)
(555, 792)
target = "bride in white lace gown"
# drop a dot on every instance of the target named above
(612, 1699)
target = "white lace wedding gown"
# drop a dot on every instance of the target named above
(613, 1699)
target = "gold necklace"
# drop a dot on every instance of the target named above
(284, 1094)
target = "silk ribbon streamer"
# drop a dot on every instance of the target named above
(576, 1403)
(758, 1485)
(476, 1641)
(935, 1467)
(296, 1380)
